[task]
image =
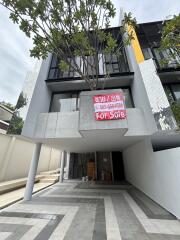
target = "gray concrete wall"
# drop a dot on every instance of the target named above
(155, 173)
(87, 120)
(40, 101)
(57, 125)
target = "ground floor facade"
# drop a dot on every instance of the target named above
(155, 173)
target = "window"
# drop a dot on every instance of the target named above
(90, 69)
(166, 55)
(172, 92)
(55, 71)
(147, 53)
(176, 91)
(115, 64)
(69, 102)
(65, 102)
(128, 98)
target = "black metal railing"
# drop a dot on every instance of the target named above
(110, 64)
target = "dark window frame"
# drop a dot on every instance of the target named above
(122, 65)
(169, 85)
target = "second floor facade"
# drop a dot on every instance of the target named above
(58, 98)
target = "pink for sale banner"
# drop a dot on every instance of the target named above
(109, 106)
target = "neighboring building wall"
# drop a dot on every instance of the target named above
(28, 87)
(15, 157)
(40, 100)
(155, 173)
(3, 127)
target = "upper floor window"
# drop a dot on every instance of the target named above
(166, 55)
(161, 56)
(116, 63)
(109, 63)
(64, 102)
(69, 101)
(172, 92)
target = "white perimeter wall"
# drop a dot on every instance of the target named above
(15, 157)
(157, 174)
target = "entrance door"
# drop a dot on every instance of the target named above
(104, 167)
(82, 165)
(118, 166)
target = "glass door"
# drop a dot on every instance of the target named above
(104, 167)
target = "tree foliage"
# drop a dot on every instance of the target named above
(70, 28)
(22, 101)
(16, 123)
(171, 40)
(8, 105)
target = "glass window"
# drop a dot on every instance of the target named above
(89, 68)
(65, 102)
(172, 92)
(169, 93)
(128, 98)
(69, 102)
(54, 62)
(176, 90)
(116, 64)
(147, 53)
(168, 55)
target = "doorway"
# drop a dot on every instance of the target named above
(82, 165)
(104, 167)
(118, 167)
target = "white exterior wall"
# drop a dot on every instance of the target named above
(157, 174)
(15, 157)
(138, 90)
(160, 106)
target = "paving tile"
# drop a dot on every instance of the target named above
(85, 211)
(16, 230)
(151, 209)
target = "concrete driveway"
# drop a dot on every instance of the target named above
(86, 211)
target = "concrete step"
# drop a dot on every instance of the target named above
(48, 180)
(8, 186)
(52, 176)
(56, 171)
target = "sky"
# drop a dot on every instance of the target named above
(15, 61)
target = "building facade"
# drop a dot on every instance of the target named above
(5, 118)
(61, 112)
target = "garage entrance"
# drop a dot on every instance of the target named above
(118, 167)
(105, 167)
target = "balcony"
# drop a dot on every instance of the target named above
(78, 131)
(163, 60)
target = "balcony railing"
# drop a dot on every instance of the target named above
(163, 58)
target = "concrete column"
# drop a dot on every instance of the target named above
(67, 164)
(61, 177)
(32, 172)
